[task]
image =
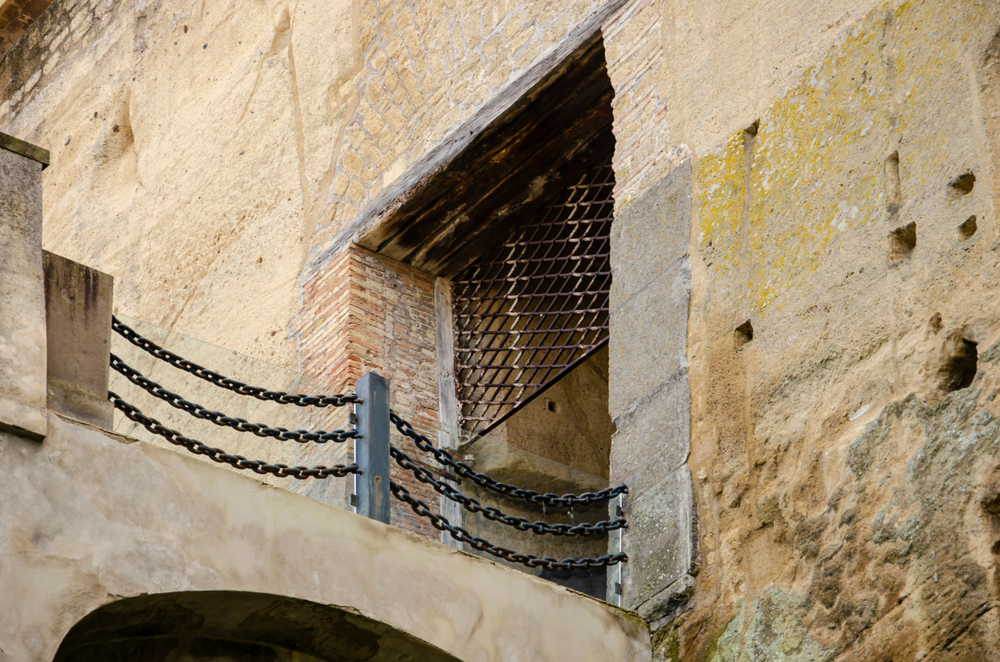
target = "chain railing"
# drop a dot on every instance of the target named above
(373, 451)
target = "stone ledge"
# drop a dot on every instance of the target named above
(25, 149)
(667, 603)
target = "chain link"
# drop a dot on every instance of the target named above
(495, 514)
(219, 455)
(465, 471)
(480, 544)
(220, 419)
(298, 399)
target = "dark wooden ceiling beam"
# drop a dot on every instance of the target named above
(541, 144)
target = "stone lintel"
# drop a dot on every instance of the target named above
(27, 150)
(22, 298)
(78, 312)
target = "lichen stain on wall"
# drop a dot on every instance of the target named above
(814, 177)
(834, 467)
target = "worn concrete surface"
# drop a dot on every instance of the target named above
(22, 297)
(78, 303)
(89, 519)
(224, 361)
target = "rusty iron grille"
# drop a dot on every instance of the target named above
(536, 304)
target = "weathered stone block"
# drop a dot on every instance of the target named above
(659, 540)
(653, 439)
(650, 234)
(78, 303)
(649, 337)
(22, 304)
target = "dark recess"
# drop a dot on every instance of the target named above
(967, 229)
(962, 185)
(902, 241)
(960, 368)
(743, 334)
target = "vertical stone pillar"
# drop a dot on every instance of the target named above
(22, 291)
(649, 395)
(78, 303)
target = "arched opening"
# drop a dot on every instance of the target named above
(230, 625)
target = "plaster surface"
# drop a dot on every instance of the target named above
(90, 519)
(22, 297)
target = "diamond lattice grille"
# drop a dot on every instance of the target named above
(536, 304)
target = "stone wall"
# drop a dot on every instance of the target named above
(804, 328)
(208, 151)
(843, 279)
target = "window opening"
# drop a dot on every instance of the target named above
(535, 305)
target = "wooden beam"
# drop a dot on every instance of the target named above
(542, 144)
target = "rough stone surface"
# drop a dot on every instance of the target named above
(22, 297)
(78, 304)
(653, 439)
(15, 17)
(91, 520)
(660, 538)
(208, 151)
(648, 333)
(841, 455)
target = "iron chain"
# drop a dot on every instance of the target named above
(298, 399)
(495, 514)
(219, 455)
(480, 544)
(196, 410)
(465, 471)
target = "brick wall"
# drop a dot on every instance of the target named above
(632, 41)
(64, 30)
(362, 312)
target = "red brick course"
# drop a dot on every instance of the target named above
(364, 312)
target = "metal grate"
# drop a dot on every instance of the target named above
(536, 304)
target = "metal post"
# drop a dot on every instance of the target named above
(616, 509)
(371, 449)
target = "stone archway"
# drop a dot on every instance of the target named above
(234, 625)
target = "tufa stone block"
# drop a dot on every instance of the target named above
(653, 439)
(22, 298)
(659, 540)
(650, 234)
(649, 338)
(78, 311)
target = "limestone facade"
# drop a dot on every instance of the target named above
(804, 321)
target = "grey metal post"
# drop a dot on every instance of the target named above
(371, 449)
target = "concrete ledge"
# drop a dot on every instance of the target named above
(89, 520)
(78, 303)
